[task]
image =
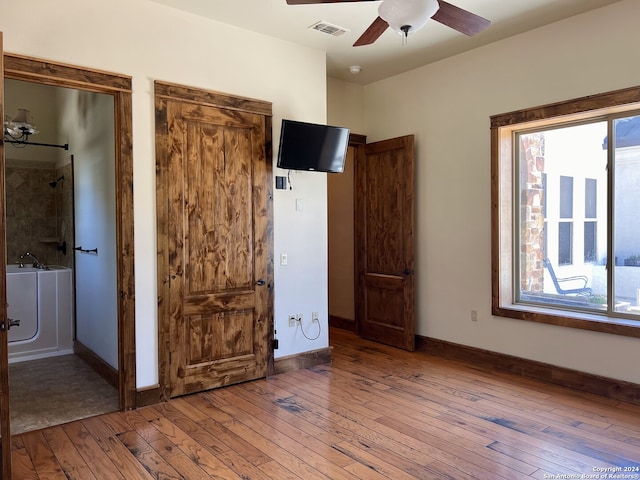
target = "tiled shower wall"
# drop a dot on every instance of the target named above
(39, 217)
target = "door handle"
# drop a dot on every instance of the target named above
(260, 282)
(12, 322)
(407, 271)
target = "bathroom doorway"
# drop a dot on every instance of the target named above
(86, 84)
(60, 218)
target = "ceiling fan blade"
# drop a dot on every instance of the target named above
(310, 2)
(459, 19)
(372, 33)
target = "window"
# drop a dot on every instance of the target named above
(590, 197)
(590, 243)
(566, 232)
(565, 228)
(590, 226)
(566, 195)
(565, 242)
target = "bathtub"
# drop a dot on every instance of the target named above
(42, 300)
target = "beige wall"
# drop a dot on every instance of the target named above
(447, 106)
(345, 105)
(149, 41)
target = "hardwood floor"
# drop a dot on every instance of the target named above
(375, 413)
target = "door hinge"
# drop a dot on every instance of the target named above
(275, 343)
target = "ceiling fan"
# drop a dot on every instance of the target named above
(408, 16)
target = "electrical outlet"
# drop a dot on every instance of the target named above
(292, 320)
(299, 318)
(314, 317)
(474, 315)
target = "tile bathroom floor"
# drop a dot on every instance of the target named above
(56, 390)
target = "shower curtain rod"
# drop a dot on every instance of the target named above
(21, 142)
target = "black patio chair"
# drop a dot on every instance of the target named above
(584, 290)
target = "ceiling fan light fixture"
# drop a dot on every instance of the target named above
(407, 16)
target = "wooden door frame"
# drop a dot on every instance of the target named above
(45, 72)
(359, 142)
(168, 91)
(5, 414)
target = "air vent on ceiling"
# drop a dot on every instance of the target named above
(328, 28)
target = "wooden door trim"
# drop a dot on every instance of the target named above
(20, 67)
(58, 74)
(164, 92)
(211, 98)
(5, 414)
(355, 139)
(359, 250)
(358, 142)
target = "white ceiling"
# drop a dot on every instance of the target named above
(387, 56)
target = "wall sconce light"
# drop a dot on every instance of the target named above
(18, 129)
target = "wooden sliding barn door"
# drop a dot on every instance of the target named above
(218, 226)
(384, 237)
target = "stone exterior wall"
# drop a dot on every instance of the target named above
(531, 213)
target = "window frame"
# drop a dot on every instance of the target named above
(503, 220)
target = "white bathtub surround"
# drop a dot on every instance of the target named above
(43, 302)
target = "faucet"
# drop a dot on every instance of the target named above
(36, 262)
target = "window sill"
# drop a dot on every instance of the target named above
(570, 319)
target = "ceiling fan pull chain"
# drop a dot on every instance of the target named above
(405, 34)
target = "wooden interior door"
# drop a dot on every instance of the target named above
(384, 239)
(218, 238)
(5, 419)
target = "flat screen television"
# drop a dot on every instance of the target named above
(312, 147)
